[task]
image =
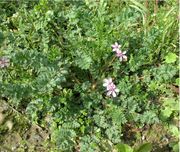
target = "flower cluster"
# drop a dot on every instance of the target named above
(117, 49)
(4, 62)
(110, 87)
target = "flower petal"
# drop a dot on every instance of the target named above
(120, 58)
(114, 94)
(105, 80)
(109, 93)
(110, 80)
(117, 90)
(113, 46)
(105, 84)
(124, 52)
(125, 58)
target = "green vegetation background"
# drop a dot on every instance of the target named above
(60, 52)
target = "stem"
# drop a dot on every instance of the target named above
(76, 79)
(146, 5)
(9, 74)
(94, 84)
(108, 64)
(156, 6)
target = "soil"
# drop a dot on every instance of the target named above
(17, 134)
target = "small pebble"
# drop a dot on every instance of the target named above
(1, 118)
(143, 137)
(9, 124)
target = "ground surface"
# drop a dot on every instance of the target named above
(17, 134)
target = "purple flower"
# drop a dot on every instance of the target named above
(4, 62)
(116, 46)
(121, 55)
(110, 87)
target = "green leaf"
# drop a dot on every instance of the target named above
(171, 103)
(138, 4)
(147, 147)
(170, 58)
(1, 37)
(177, 81)
(124, 148)
(174, 130)
(83, 61)
(166, 112)
(175, 146)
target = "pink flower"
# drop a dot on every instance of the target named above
(4, 62)
(110, 87)
(107, 82)
(121, 55)
(116, 46)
